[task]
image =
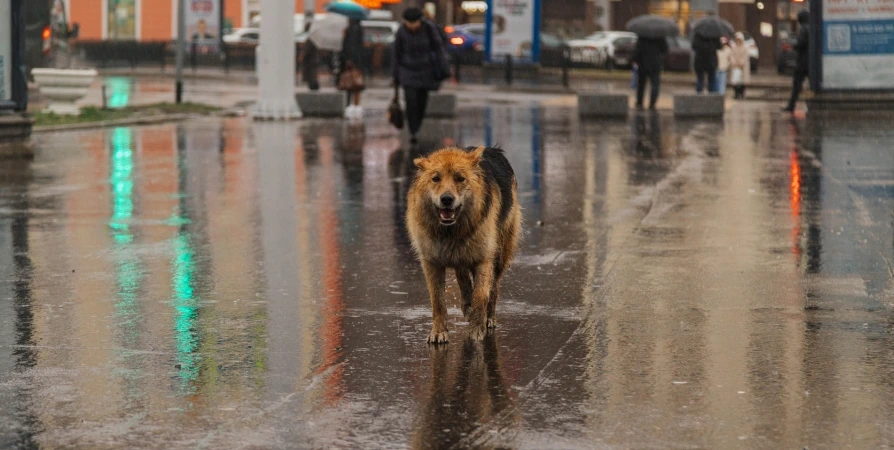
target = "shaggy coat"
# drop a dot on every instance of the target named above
(463, 213)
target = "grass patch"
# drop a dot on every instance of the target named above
(94, 114)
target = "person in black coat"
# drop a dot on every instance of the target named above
(648, 55)
(310, 60)
(705, 62)
(802, 69)
(419, 64)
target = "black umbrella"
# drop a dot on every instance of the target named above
(652, 26)
(712, 27)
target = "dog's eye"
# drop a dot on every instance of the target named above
(436, 179)
(459, 179)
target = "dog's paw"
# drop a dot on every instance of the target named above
(438, 337)
(491, 322)
(477, 333)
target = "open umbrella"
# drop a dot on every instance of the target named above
(327, 33)
(712, 27)
(652, 26)
(348, 9)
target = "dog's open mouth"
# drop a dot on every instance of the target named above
(447, 216)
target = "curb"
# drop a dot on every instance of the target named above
(147, 120)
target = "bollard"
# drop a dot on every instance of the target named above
(509, 69)
(456, 68)
(226, 58)
(566, 61)
(192, 58)
(104, 105)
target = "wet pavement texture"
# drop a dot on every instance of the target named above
(219, 283)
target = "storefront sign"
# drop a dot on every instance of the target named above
(858, 44)
(203, 24)
(5, 50)
(512, 29)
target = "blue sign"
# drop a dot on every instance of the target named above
(859, 37)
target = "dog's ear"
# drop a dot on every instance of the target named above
(476, 155)
(421, 163)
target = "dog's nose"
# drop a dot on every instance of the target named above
(447, 200)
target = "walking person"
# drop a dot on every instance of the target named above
(648, 55)
(352, 53)
(740, 66)
(419, 64)
(723, 60)
(802, 68)
(705, 62)
(310, 61)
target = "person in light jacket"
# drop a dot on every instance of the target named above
(723, 60)
(739, 62)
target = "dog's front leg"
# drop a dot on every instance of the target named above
(434, 276)
(483, 275)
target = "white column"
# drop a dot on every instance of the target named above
(276, 62)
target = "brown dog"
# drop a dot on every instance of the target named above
(463, 213)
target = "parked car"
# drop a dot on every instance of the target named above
(786, 58)
(243, 35)
(679, 54)
(678, 59)
(465, 38)
(598, 49)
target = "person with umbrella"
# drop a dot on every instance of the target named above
(705, 43)
(648, 55)
(352, 54)
(705, 64)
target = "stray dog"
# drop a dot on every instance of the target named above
(463, 213)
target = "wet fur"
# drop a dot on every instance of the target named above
(481, 243)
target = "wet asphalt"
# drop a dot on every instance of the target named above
(218, 283)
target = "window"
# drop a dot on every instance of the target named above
(122, 19)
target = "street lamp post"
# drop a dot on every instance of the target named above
(276, 63)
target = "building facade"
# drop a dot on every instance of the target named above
(152, 20)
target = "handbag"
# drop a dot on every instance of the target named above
(735, 77)
(351, 79)
(395, 113)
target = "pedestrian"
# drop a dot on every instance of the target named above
(310, 60)
(705, 49)
(352, 53)
(419, 64)
(648, 55)
(740, 64)
(802, 68)
(723, 60)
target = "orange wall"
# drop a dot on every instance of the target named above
(156, 18)
(88, 14)
(233, 11)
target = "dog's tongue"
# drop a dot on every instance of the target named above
(447, 214)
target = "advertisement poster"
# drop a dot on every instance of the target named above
(858, 44)
(511, 29)
(203, 25)
(5, 50)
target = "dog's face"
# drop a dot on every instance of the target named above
(453, 181)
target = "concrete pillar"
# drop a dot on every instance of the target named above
(276, 63)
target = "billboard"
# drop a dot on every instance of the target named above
(513, 29)
(203, 24)
(5, 50)
(858, 44)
